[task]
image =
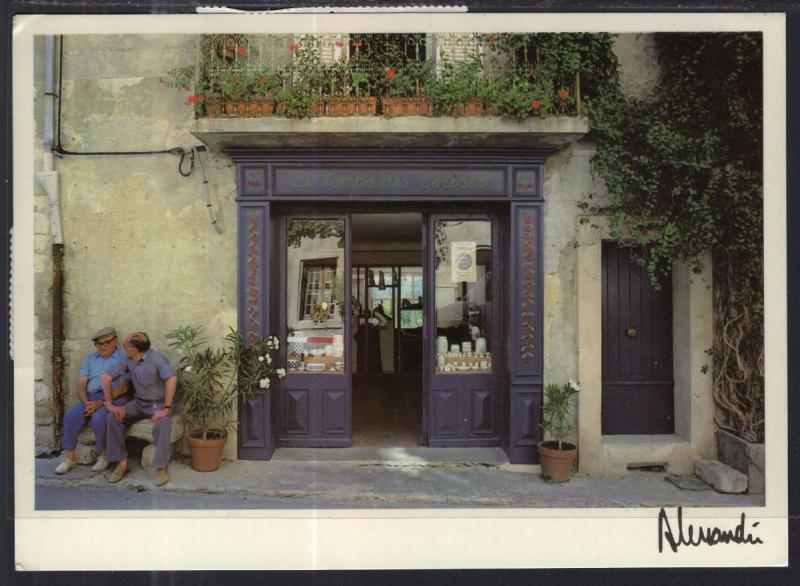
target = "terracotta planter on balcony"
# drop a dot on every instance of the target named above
(352, 106)
(393, 106)
(237, 108)
(474, 107)
(213, 109)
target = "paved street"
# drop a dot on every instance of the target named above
(364, 478)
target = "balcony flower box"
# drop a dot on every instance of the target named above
(344, 106)
(402, 106)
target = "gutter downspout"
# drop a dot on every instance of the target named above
(48, 179)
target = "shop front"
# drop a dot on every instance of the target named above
(406, 289)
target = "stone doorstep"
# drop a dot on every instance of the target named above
(721, 476)
(141, 430)
(744, 456)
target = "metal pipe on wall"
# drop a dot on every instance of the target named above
(48, 179)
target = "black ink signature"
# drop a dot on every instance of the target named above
(705, 535)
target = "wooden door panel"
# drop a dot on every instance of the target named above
(297, 416)
(482, 413)
(637, 348)
(334, 411)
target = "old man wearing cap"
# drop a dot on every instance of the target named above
(91, 408)
(154, 383)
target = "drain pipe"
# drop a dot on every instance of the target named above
(48, 179)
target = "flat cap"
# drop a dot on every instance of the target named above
(104, 332)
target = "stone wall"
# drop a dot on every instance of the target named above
(140, 252)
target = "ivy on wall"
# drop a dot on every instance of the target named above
(684, 174)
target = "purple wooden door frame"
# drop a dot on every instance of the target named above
(513, 180)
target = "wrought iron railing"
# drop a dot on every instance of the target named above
(511, 75)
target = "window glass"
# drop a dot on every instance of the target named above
(315, 296)
(463, 296)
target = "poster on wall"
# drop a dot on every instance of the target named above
(463, 266)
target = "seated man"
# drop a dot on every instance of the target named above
(90, 392)
(154, 382)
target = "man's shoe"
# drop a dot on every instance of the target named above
(101, 464)
(118, 474)
(161, 477)
(65, 466)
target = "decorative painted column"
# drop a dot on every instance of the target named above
(525, 332)
(256, 437)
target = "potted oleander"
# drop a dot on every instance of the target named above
(212, 381)
(555, 454)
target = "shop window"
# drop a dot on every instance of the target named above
(463, 296)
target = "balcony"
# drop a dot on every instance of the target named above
(357, 90)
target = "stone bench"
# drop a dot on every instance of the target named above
(141, 430)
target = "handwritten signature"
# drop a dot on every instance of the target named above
(704, 535)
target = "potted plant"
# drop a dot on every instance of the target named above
(212, 381)
(404, 89)
(456, 89)
(349, 89)
(556, 455)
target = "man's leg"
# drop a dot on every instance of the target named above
(115, 438)
(73, 423)
(162, 430)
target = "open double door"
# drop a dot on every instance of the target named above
(318, 314)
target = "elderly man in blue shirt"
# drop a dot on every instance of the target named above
(154, 383)
(90, 409)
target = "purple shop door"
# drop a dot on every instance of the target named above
(314, 400)
(462, 359)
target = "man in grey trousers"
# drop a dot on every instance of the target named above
(154, 382)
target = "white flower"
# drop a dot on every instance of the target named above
(261, 359)
(268, 358)
(264, 383)
(272, 342)
(574, 385)
(281, 372)
(188, 368)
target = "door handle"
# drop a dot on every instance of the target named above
(631, 332)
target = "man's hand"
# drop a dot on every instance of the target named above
(119, 412)
(91, 406)
(161, 413)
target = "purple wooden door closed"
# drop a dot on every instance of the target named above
(314, 405)
(463, 406)
(637, 349)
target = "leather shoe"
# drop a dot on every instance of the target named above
(118, 474)
(65, 466)
(101, 464)
(161, 477)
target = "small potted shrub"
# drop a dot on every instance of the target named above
(212, 381)
(455, 91)
(555, 455)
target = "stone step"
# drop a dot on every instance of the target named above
(721, 476)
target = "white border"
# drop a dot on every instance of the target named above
(336, 539)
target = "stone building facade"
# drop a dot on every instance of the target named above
(140, 252)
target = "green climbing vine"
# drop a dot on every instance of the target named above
(684, 175)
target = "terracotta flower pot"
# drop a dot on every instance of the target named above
(393, 106)
(213, 109)
(556, 464)
(206, 453)
(352, 106)
(471, 108)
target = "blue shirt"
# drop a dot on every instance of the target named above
(148, 374)
(94, 365)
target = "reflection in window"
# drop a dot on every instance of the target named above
(314, 295)
(463, 299)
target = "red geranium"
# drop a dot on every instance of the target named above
(262, 80)
(338, 43)
(492, 37)
(294, 47)
(522, 98)
(192, 100)
(536, 104)
(563, 94)
(390, 73)
(241, 50)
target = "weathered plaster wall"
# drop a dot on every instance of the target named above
(140, 251)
